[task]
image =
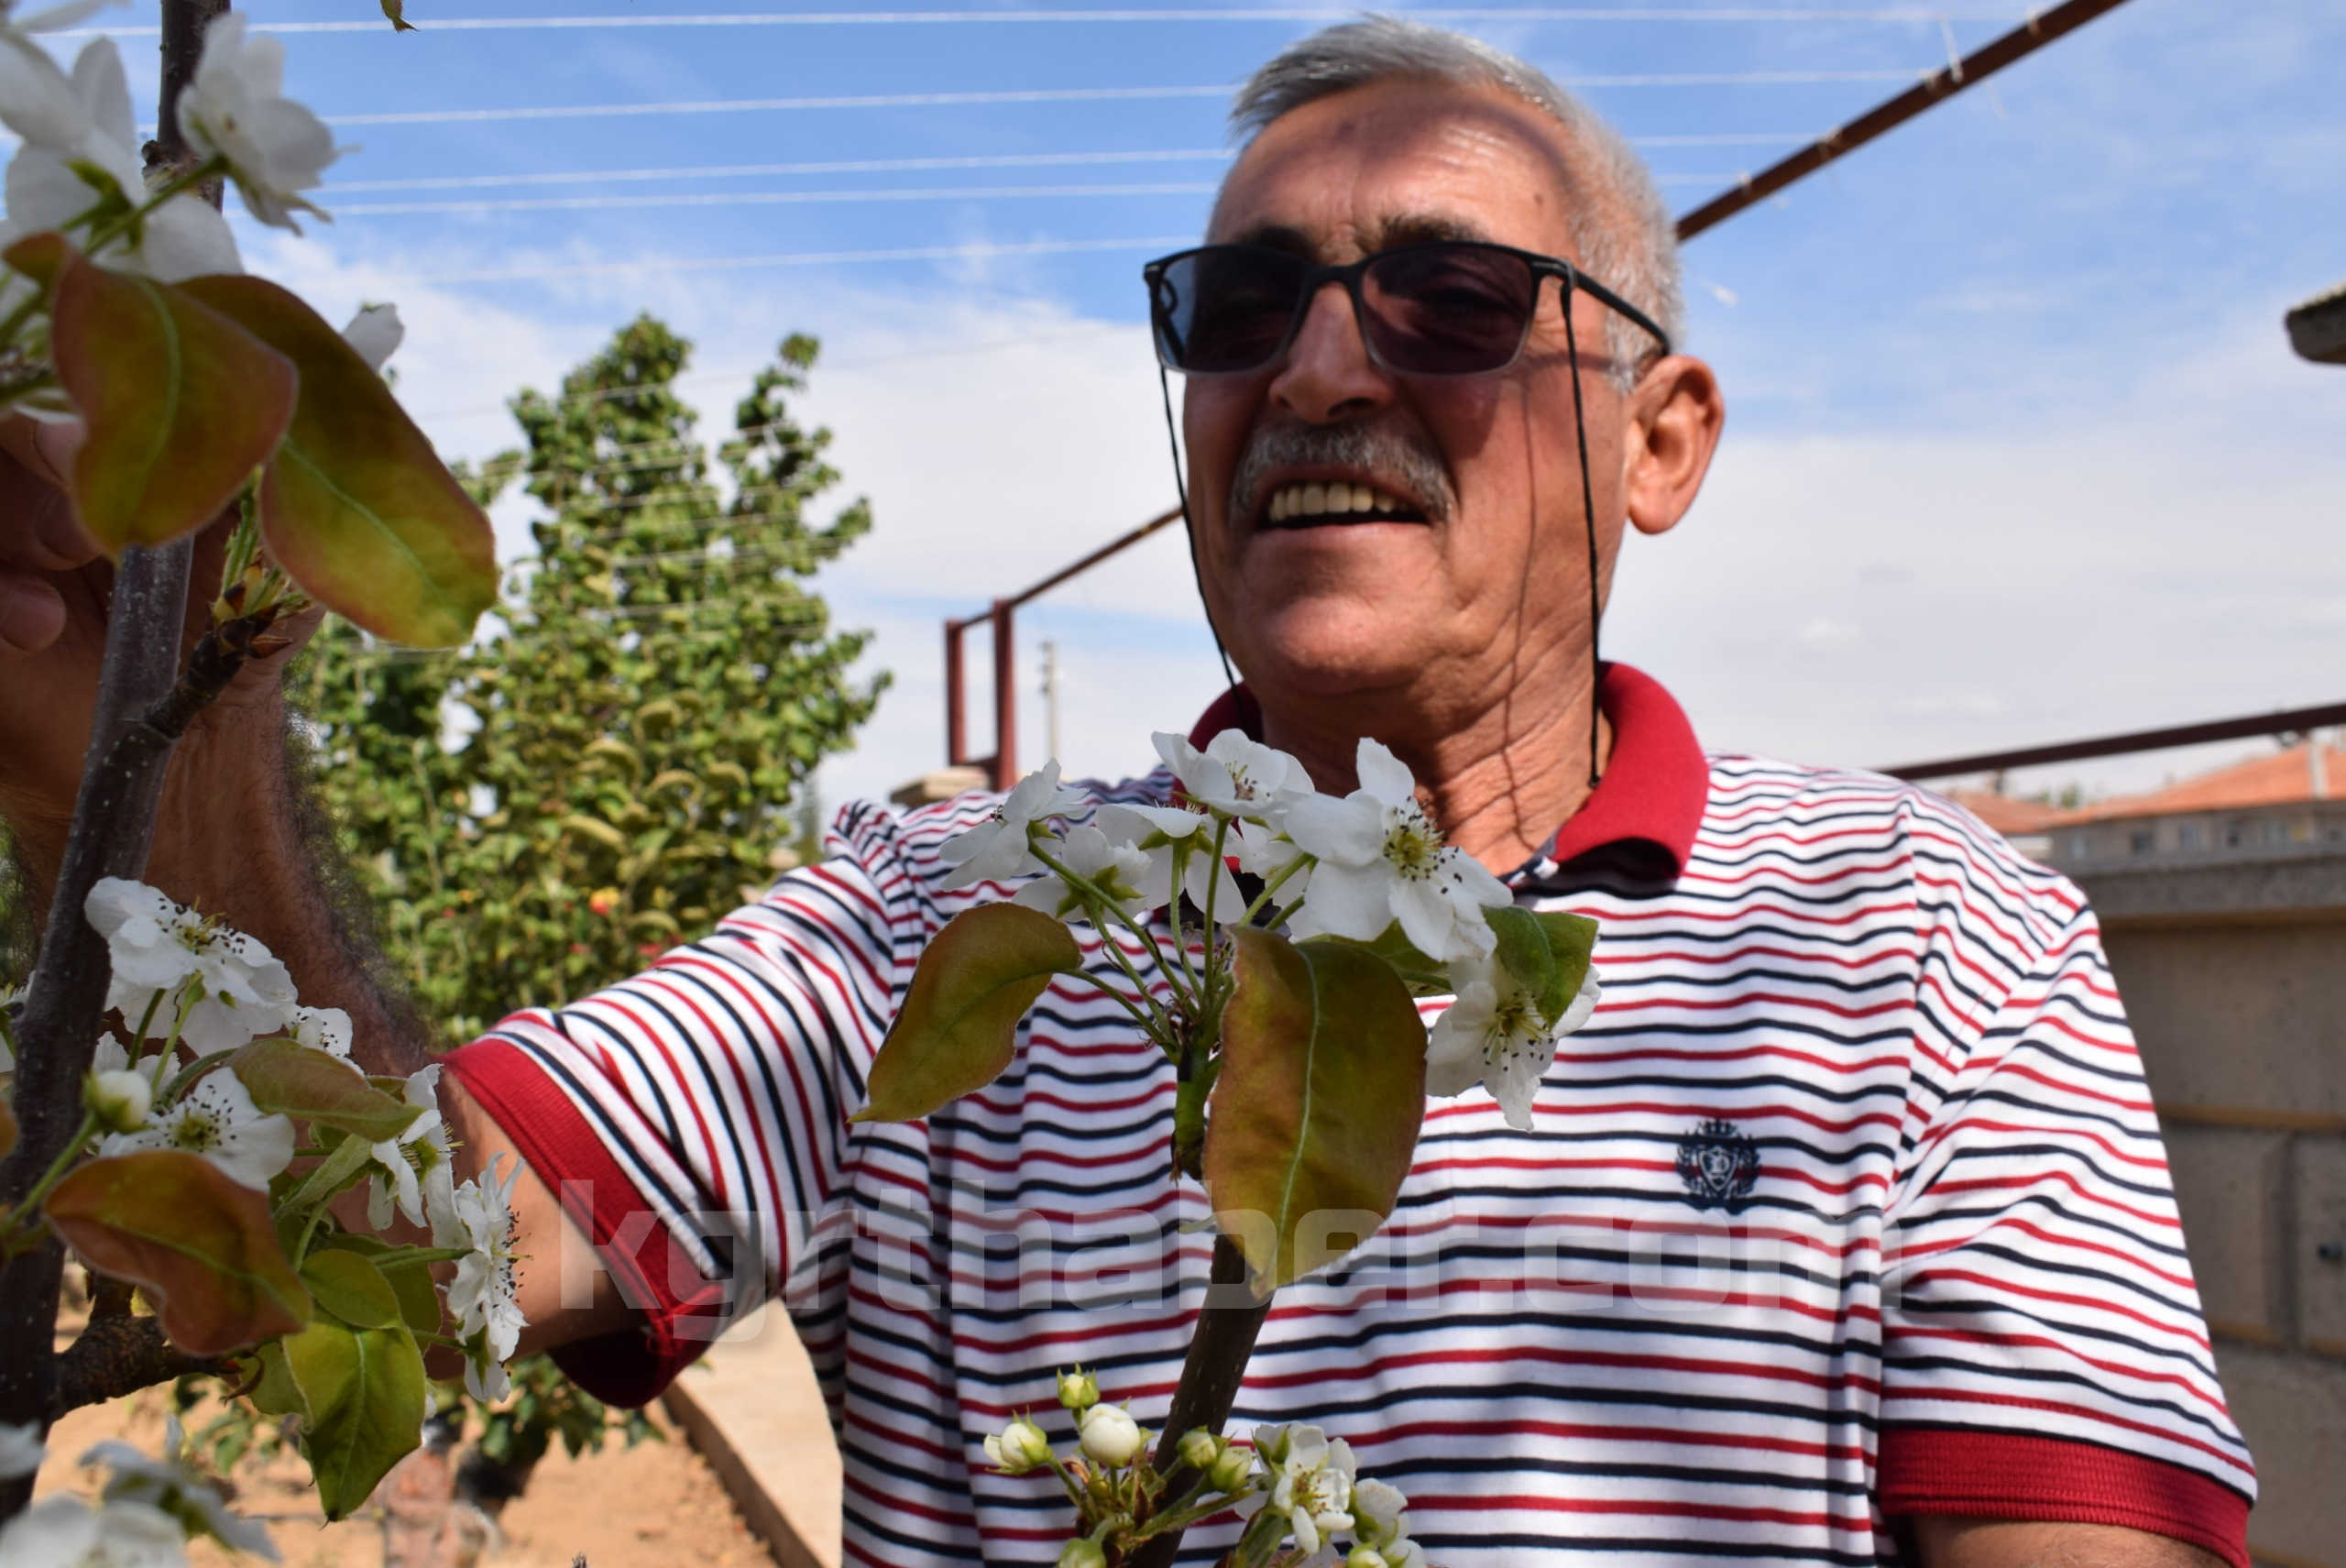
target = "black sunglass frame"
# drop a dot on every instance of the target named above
(1350, 273)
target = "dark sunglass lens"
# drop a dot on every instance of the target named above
(1226, 310)
(1449, 309)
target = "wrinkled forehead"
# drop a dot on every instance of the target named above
(1399, 162)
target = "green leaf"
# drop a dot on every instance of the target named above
(1317, 1106)
(276, 1393)
(368, 1398)
(1423, 975)
(410, 1282)
(312, 1086)
(1572, 941)
(199, 1244)
(344, 1283)
(355, 505)
(181, 403)
(1524, 953)
(957, 1028)
(339, 1169)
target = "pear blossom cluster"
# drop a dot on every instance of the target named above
(1299, 1490)
(79, 169)
(143, 1516)
(191, 994)
(1359, 866)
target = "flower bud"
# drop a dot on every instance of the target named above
(1083, 1554)
(120, 1099)
(1228, 1472)
(1079, 1390)
(1365, 1557)
(1109, 1434)
(1200, 1449)
(1021, 1447)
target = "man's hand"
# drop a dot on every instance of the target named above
(1943, 1543)
(55, 583)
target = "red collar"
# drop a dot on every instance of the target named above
(1654, 787)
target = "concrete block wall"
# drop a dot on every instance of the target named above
(2236, 987)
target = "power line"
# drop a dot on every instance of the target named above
(1043, 96)
(914, 165)
(1715, 14)
(775, 198)
(802, 258)
(847, 166)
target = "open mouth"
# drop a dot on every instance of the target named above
(1326, 503)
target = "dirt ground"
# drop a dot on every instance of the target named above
(654, 1506)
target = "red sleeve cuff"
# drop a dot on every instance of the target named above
(2007, 1476)
(682, 1310)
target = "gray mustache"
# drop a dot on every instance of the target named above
(1390, 460)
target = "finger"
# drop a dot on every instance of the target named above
(32, 614)
(37, 526)
(45, 446)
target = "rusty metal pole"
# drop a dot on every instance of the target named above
(957, 730)
(1005, 698)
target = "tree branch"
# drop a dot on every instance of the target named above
(1216, 1364)
(115, 1356)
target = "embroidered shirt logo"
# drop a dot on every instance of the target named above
(1719, 1164)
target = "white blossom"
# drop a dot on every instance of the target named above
(216, 1118)
(1381, 1522)
(1493, 1035)
(236, 107)
(324, 1029)
(1179, 844)
(37, 101)
(172, 1486)
(1380, 859)
(1109, 1434)
(21, 1449)
(184, 238)
(1120, 871)
(486, 1378)
(1311, 1482)
(155, 946)
(999, 847)
(374, 331)
(1235, 774)
(120, 1099)
(1019, 1447)
(481, 1297)
(62, 1531)
(398, 1167)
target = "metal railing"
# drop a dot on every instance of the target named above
(2281, 721)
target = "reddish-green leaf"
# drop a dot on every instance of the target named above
(1316, 1109)
(312, 1086)
(181, 403)
(355, 505)
(199, 1244)
(956, 1030)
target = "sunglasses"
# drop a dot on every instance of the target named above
(1446, 308)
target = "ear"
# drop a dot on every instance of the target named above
(1674, 416)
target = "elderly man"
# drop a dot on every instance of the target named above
(1842, 1235)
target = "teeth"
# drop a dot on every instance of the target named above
(1319, 498)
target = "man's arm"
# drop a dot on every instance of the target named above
(1944, 1542)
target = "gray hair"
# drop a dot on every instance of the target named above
(1626, 236)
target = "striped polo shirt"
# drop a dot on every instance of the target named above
(1849, 1202)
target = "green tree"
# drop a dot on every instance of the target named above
(537, 815)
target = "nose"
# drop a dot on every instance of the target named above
(1328, 375)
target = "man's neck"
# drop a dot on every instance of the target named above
(1501, 783)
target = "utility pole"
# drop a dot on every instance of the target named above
(1050, 699)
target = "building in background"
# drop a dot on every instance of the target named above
(2280, 805)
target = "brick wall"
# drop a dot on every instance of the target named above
(2235, 978)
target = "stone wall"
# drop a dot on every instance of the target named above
(2235, 978)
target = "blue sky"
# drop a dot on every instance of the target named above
(2016, 449)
